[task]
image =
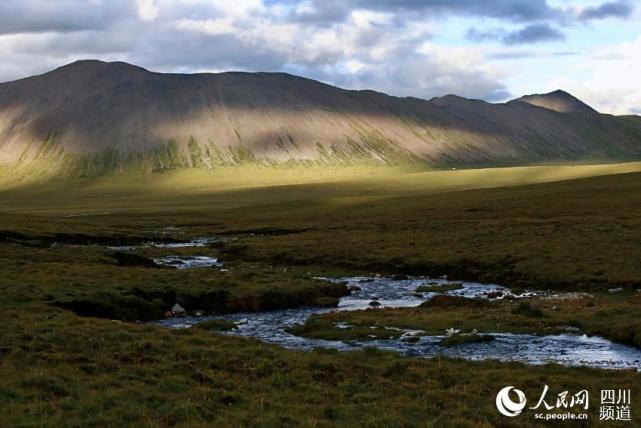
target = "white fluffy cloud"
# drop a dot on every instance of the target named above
(611, 81)
(147, 10)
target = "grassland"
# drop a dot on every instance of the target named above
(61, 370)
(573, 227)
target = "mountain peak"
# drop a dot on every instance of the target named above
(83, 63)
(559, 101)
(83, 72)
(89, 66)
(449, 100)
(95, 64)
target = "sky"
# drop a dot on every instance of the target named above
(492, 49)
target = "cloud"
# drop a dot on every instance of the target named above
(477, 35)
(435, 71)
(514, 10)
(509, 10)
(147, 10)
(520, 53)
(37, 16)
(618, 9)
(609, 78)
(532, 33)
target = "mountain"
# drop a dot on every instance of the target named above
(93, 117)
(559, 101)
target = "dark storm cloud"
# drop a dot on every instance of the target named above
(515, 10)
(326, 12)
(619, 9)
(533, 33)
(34, 16)
(520, 10)
(39, 16)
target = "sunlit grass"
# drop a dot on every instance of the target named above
(232, 187)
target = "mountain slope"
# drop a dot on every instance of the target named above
(92, 117)
(559, 101)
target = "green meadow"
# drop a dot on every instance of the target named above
(73, 354)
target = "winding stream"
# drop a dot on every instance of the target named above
(567, 349)
(176, 261)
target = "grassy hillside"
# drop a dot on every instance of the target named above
(92, 118)
(220, 189)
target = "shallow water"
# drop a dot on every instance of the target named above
(197, 242)
(176, 261)
(187, 262)
(566, 349)
(401, 293)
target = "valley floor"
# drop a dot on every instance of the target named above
(71, 353)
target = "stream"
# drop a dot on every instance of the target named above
(176, 261)
(567, 349)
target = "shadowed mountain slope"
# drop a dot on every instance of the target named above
(92, 117)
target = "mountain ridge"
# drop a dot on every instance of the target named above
(92, 117)
(558, 100)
